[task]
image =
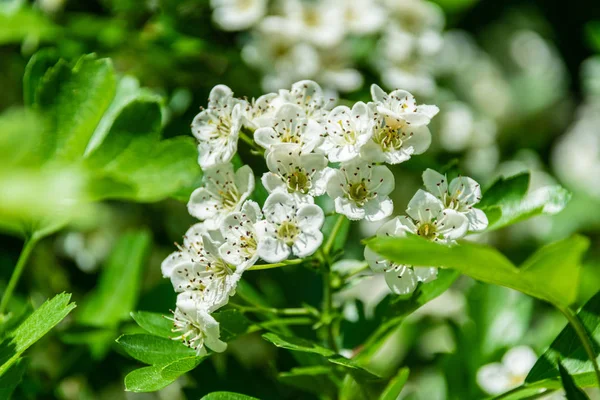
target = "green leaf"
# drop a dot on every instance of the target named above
(568, 350)
(571, 390)
(35, 70)
(232, 324)
(153, 323)
(297, 344)
(154, 350)
(507, 202)
(551, 274)
(227, 396)
(313, 379)
(119, 284)
(156, 377)
(33, 329)
(395, 386)
(11, 379)
(16, 27)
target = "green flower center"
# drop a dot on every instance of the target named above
(358, 192)
(298, 181)
(389, 139)
(428, 231)
(287, 232)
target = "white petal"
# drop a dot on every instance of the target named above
(424, 206)
(211, 329)
(453, 224)
(477, 220)
(378, 209)
(265, 137)
(273, 182)
(310, 217)
(428, 110)
(307, 243)
(349, 209)
(466, 190)
(435, 183)
(279, 207)
(252, 210)
(493, 378)
(172, 261)
(335, 182)
(218, 93)
(419, 141)
(202, 205)
(425, 274)
(401, 280)
(382, 180)
(376, 262)
(377, 93)
(519, 360)
(244, 180)
(272, 250)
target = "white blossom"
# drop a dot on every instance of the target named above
(362, 17)
(460, 195)
(309, 96)
(316, 22)
(498, 377)
(346, 131)
(288, 228)
(401, 279)
(360, 190)
(291, 126)
(236, 15)
(402, 130)
(197, 329)
(217, 128)
(260, 112)
(198, 267)
(223, 192)
(241, 240)
(304, 175)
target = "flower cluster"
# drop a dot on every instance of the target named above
(298, 39)
(443, 213)
(311, 149)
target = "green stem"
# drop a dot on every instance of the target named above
(583, 337)
(281, 322)
(30, 243)
(364, 267)
(250, 142)
(276, 265)
(277, 311)
(333, 234)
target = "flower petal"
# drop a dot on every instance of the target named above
(435, 183)
(307, 243)
(401, 279)
(424, 206)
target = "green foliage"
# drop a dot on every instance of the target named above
(153, 323)
(569, 351)
(313, 379)
(571, 390)
(227, 396)
(395, 386)
(31, 330)
(507, 201)
(550, 274)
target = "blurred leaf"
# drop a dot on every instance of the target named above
(395, 386)
(593, 34)
(227, 396)
(35, 70)
(550, 274)
(153, 323)
(313, 379)
(154, 350)
(33, 329)
(568, 350)
(232, 324)
(456, 5)
(507, 202)
(11, 378)
(297, 344)
(572, 392)
(119, 284)
(26, 23)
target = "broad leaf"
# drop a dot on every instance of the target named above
(395, 386)
(227, 396)
(33, 329)
(571, 390)
(11, 378)
(551, 274)
(568, 350)
(153, 323)
(154, 350)
(232, 323)
(156, 377)
(313, 379)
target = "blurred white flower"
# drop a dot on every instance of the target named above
(320, 23)
(291, 126)
(196, 327)
(303, 175)
(237, 15)
(346, 131)
(239, 232)
(288, 228)
(360, 190)
(217, 128)
(460, 195)
(498, 377)
(198, 267)
(223, 192)
(362, 17)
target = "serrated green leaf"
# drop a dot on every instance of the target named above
(313, 379)
(33, 329)
(568, 350)
(179, 367)
(297, 344)
(227, 396)
(119, 283)
(571, 390)
(395, 386)
(146, 379)
(232, 323)
(11, 379)
(154, 350)
(153, 323)
(37, 66)
(551, 279)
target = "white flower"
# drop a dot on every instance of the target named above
(347, 131)
(236, 15)
(360, 190)
(241, 241)
(362, 17)
(196, 327)
(198, 267)
(309, 96)
(498, 377)
(317, 22)
(260, 112)
(300, 174)
(461, 195)
(291, 126)
(401, 279)
(217, 128)
(223, 192)
(402, 130)
(288, 228)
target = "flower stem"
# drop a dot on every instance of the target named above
(583, 337)
(333, 234)
(30, 243)
(277, 311)
(276, 265)
(251, 142)
(281, 322)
